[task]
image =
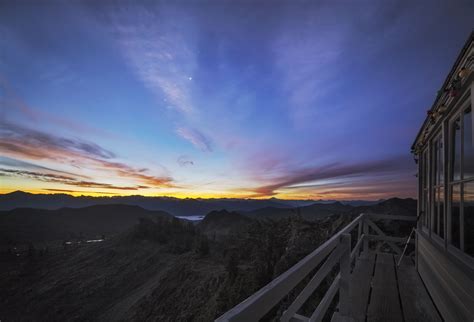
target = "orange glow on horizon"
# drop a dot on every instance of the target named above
(208, 195)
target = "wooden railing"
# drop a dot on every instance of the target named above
(336, 250)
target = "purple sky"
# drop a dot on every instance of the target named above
(298, 99)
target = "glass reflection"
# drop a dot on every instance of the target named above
(440, 160)
(468, 203)
(468, 144)
(455, 213)
(456, 149)
(441, 211)
(434, 217)
(434, 164)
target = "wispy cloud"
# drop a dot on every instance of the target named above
(67, 180)
(194, 136)
(15, 137)
(307, 63)
(364, 171)
(10, 162)
(184, 161)
(158, 49)
(11, 103)
(79, 191)
(25, 143)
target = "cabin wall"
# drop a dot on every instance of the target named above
(451, 287)
(444, 253)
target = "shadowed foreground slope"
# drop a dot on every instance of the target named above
(162, 269)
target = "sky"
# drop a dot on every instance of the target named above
(238, 99)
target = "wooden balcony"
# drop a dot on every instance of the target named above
(370, 284)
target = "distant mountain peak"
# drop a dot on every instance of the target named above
(18, 193)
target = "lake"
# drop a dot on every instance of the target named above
(191, 218)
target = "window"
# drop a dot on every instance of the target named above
(468, 204)
(455, 214)
(425, 189)
(462, 182)
(456, 149)
(468, 160)
(437, 179)
(468, 176)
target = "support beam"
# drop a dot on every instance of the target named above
(313, 284)
(320, 311)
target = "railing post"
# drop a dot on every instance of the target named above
(366, 234)
(344, 300)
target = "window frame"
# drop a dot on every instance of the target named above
(425, 189)
(437, 143)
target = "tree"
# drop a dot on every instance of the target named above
(202, 247)
(232, 266)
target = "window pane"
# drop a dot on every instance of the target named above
(424, 178)
(434, 169)
(441, 212)
(468, 203)
(425, 169)
(468, 144)
(440, 160)
(434, 212)
(425, 207)
(456, 149)
(455, 212)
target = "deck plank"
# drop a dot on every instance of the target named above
(384, 302)
(416, 303)
(360, 286)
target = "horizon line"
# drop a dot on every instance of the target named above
(99, 195)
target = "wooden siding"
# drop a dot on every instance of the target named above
(451, 288)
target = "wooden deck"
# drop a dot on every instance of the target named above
(374, 290)
(381, 291)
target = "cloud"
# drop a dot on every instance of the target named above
(158, 48)
(15, 137)
(67, 180)
(12, 102)
(365, 171)
(196, 138)
(127, 171)
(79, 191)
(31, 166)
(184, 161)
(307, 64)
(21, 142)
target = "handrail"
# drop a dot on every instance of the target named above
(333, 250)
(258, 304)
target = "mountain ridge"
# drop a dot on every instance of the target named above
(176, 206)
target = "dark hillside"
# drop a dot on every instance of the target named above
(311, 212)
(26, 225)
(161, 270)
(393, 206)
(223, 222)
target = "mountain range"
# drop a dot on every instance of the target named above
(175, 206)
(35, 225)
